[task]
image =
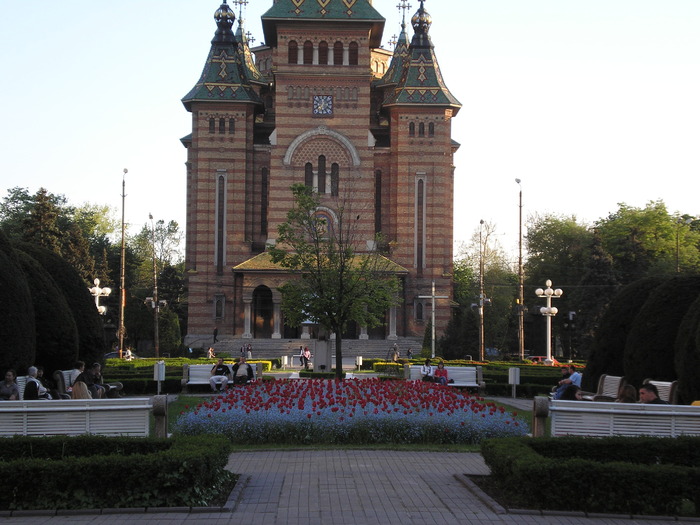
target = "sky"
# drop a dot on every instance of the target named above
(589, 103)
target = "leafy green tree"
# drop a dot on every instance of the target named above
(40, 226)
(335, 283)
(649, 349)
(17, 329)
(649, 240)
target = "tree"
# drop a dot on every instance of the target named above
(335, 284)
(608, 349)
(650, 345)
(17, 329)
(645, 241)
(687, 359)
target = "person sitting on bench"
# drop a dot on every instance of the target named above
(242, 372)
(220, 374)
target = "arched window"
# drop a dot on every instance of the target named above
(222, 125)
(431, 129)
(354, 53)
(378, 201)
(308, 53)
(292, 52)
(264, 189)
(412, 129)
(419, 311)
(338, 53)
(322, 174)
(309, 175)
(335, 179)
(421, 129)
(231, 126)
(212, 125)
(323, 53)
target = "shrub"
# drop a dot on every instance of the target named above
(687, 360)
(97, 472)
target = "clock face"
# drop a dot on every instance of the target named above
(323, 105)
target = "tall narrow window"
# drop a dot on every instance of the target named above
(419, 311)
(323, 53)
(420, 226)
(412, 129)
(264, 189)
(431, 129)
(212, 125)
(219, 301)
(378, 201)
(292, 52)
(322, 174)
(338, 53)
(354, 53)
(231, 126)
(220, 222)
(309, 175)
(222, 125)
(421, 129)
(308, 53)
(335, 179)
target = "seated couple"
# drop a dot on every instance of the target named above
(220, 374)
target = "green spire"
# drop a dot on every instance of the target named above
(420, 81)
(225, 75)
(250, 70)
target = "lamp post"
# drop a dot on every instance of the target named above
(549, 311)
(521, 294)
(482, 295)
(154, 303)
(98, 292)
(122, 290)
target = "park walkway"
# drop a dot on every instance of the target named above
(339, 487)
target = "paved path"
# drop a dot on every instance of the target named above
(338, 487)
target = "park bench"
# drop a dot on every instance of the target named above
(106, 417)
(667, 390)
(196, 375)
(462, 376)
(608, 388)
(600, 419)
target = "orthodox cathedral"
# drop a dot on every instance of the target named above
(319, 103)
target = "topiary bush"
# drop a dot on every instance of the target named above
(17, 327)
(687, 360)
(650, 345)
(607, 352)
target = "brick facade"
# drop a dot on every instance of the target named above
(318, 93)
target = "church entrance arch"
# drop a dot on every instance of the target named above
(263, 313)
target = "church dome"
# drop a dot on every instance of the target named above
(422, 20)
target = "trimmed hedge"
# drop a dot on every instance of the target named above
(631, 475)
(99, 472)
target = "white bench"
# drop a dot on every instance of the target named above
(463, 376)
(600, 419)
(608, 388)
(106, 417)
(199, 374)
(668, 390)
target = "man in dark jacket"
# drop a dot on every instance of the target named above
(242, 372)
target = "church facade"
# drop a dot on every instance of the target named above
(321, 104)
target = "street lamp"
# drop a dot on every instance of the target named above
(482, 296)
(98, 292)
(521, 295)
(549, 311)
(154, 302)
(122, 290)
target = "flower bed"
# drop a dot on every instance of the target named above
(364, 411)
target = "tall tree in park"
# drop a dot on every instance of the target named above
(687, 358)
(335, 284)
(650, 345)
(40, 226)
(590, 298)
(17, 327)
(607, 353)
(649, 240)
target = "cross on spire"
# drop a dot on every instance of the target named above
(403, 6)
(240, 4)
(393, 40)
